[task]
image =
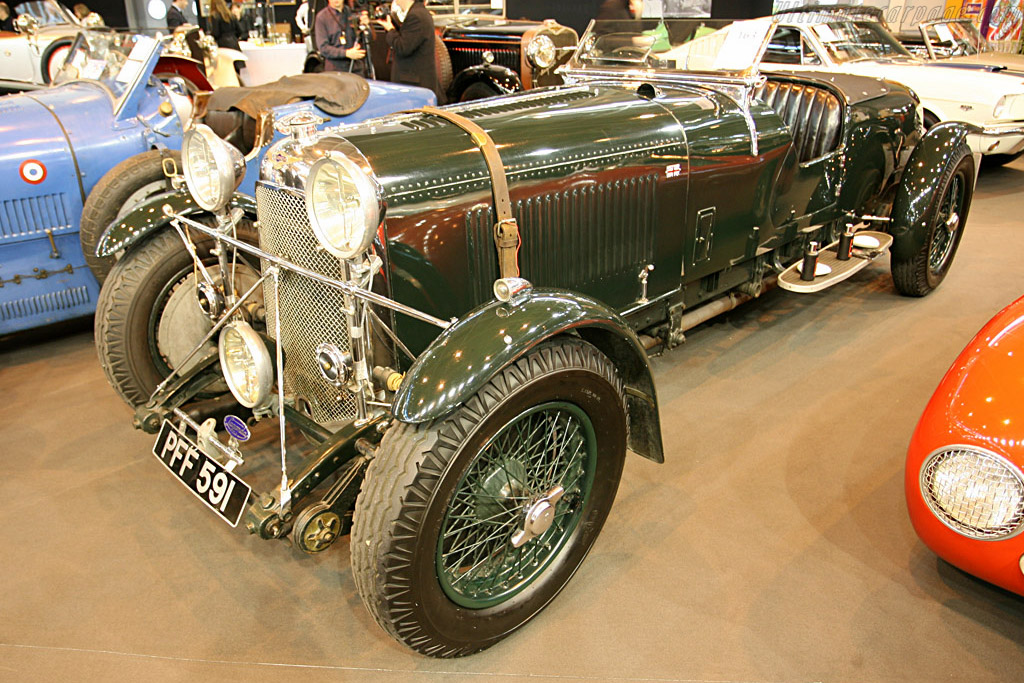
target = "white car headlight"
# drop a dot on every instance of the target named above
(246, 364)
(213, 168)
(974, 492)
(343, 206)
(541, 52)
(1000, 108)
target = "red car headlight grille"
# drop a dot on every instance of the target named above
(974, 492)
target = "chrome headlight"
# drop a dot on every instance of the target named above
(541, 52)
(246, 364)
(343, 206)
(974, 492)
(213, 168)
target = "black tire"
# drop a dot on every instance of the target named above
(946, 217)
(129, 307)
(478, 91)
(55, 51)
(126, 184)
(400, 565)
(443, 62)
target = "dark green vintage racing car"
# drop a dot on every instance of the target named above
(448, 311)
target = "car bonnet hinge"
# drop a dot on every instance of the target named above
(506, 229)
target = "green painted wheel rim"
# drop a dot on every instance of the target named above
(543, 447)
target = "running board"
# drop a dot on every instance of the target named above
(841, 270)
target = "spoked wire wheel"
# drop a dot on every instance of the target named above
(469, 525)
(922, 256)
(947, 225)
(516, 506)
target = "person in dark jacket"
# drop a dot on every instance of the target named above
(620, 9)
(336, 38)
(410, 35)
(176, 14)
(6, 17)
(225, 28)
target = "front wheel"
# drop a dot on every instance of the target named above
(118, 192)
(468, 526)
(946, 217)
(148, 319)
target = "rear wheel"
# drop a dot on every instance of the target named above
(945, 216)
(115, 195)
(468, 526)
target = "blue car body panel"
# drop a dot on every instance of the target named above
(74, 132)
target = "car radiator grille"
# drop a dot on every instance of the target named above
(465, 57)
(310, 313)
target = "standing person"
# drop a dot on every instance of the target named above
(621, 9)
(176, 14)
(246, 25)
(225, 28)
(410, 35)
(302, 18)
(336, 38)
(6, 18)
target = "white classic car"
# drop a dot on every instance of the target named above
(957, 42)
(34, 54)
(819, 39)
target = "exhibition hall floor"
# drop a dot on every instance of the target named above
(773, 544)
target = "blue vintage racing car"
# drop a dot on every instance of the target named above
(117, 96)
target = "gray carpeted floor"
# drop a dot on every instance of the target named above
(773, 545)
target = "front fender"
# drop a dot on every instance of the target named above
(472, 351)
(918, 185)
(503, 79)
(150, 216)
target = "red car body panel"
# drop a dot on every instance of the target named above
(979, 402)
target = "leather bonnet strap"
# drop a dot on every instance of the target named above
(506, 229)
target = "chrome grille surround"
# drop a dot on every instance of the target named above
(974, 492)
(311, 313)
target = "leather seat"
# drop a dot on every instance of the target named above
(814, 115)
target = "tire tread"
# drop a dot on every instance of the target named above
(398, 488)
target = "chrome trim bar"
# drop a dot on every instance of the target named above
(345, 287)
(1000, 131)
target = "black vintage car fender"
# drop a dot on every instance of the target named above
(500, 79)
(918, 187)
(488, 339)
(150, 216)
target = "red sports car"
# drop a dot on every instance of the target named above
(965, 467)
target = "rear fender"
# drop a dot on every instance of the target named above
(502, 79)
(150, 216)
(918, 185)
(471, 352)
(189, 69)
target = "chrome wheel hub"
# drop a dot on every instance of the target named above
(538, 517)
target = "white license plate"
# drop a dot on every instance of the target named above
(222, 491)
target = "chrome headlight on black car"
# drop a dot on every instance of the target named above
(343, 205)
(541, 52)
(974, 492)
(213, 168)
(246, 364)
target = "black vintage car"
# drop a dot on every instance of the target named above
(495, 56)
(448, 311)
